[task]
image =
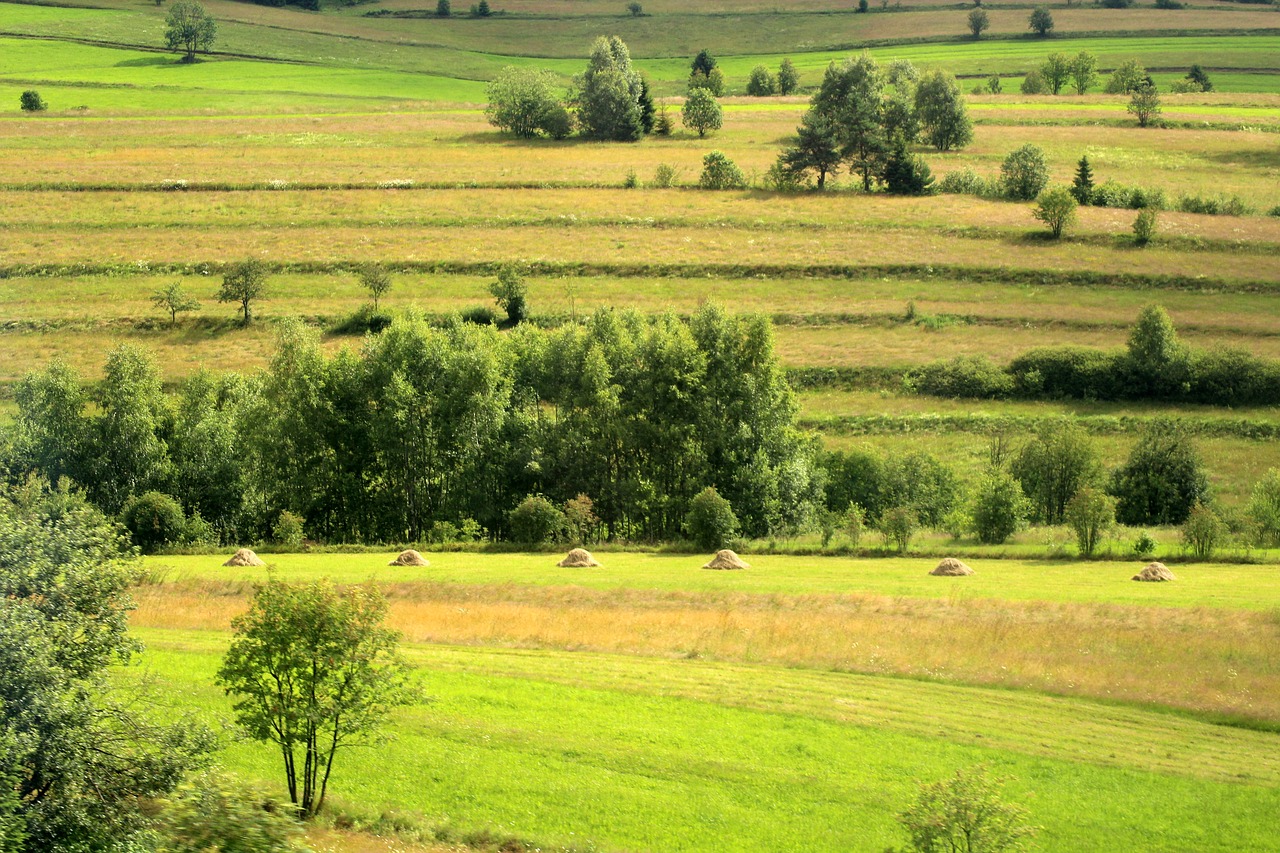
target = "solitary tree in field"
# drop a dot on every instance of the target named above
(243, 283)
(1056, 71)
(312, 670)
(375, 280)
(635, 9)
(965, 813)
(190, 28)
(1084, 71)
(1041, 21)
(788, 77)
(978, 21)
(31, 102)
(1056, 208)
(443, 8)
(1144, 104)
(175, 300)
(701, 112)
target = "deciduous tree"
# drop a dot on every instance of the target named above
(244, 282)
(701, 112)
(190, 28)
(940, 109)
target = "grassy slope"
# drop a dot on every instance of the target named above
(570, 749)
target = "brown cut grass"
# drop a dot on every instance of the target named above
(1201, 660)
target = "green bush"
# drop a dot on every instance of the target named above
(1090, 513)
(153, 519)
(197, 531)
(1056, 208)
(511, 293)
(965, 813)
(288, 530)
(1161, 480)
(31, 102)
(215, 812)
(897, 526)
(1024, 173)
(966, 181)
(855, 523)
(711, 523)
(1202, 531)
(1144, 226)
(664, 176)
(1144, 547)
(1264, 509)
(720, 173)
(1214, 206)
(482, 315)
(967, 376)
(999, 508)
(536, 521)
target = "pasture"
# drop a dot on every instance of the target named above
(648, 704)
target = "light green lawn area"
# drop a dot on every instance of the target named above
(1248, 587)
(587, 749)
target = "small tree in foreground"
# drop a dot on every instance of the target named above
(1000, 508)
(1056, 208)
(762, 83)
(1144, 105)
(243, 283)
(1090, 513)
(1264, 509)
(189, 27)
(978, 21)
(720, 173)
(898, 525)
(965, 813)
(313, 670)
(788, 77)
(375, 280)
(711, 522)
(1041, 21)
(31, 102)
(1202, 531)
(701, 111)
(511, 293)
(1024, 173)
(174, 300)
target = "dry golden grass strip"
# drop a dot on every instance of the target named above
(1207, 661)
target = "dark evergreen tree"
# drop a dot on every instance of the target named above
(1082, 186)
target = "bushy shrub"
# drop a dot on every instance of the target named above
(664, 176)
(1264, 509)
(999, 508)
(288, 530)
(720, 173)
(1024, 173)
(965, 813)
(897, 526)
(1090, 514)
(197, 531)
(1033, 83)
(1144, 226)
(31, 102)
(783, 180)
(1229, 376)
(710, 523)
(1144, 546)
(153, 519)
(966, 376)
(1202, 531)
(1111, 193)
(1056, 208)
(1161, 480)
(215, 812)
(762, 83)
(1214, 206)
(511, 293)
(536, 521)
(482, 315)
(922, 482)
(855, 522)
(1067, 372)
(968, 182)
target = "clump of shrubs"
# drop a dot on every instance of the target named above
(720, 173)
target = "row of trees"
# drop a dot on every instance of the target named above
(864, 118)
(427, 425)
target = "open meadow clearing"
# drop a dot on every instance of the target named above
(647, 704)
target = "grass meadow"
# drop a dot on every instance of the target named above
(648, 704)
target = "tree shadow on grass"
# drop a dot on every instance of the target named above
(146, 61)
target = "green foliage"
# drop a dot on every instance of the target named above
(1084, 69)
(79, 761)
(1056, 208)
(1264, 509)
(898, 525)
(1056, 71)
(855, 523)
(175, 299)
(443, 8)
(1034, 83)
(1161, 480)
(720, 173)
(1144, 546)
(129, 454)
(1041, 22)
(940, 108)
(581, 521)
(197, 531)
(665, 176)
(481, 9)
(999, 508)
(523, 101)
(1144, 225)
(703, 63)
(536, 521)
(851, 103)
(511, 293)
(1202, 531)
(313, 671)
(761, 83)
(788, 77)
(966, 813)
(1024, 173)
(993, 84)
(648, 113)
(921, 482)
(1214, 206)
(375, 280)
(634, 9)
(214, 812)
(1090, 513)
(1158, 363)
(244, 282)
(190, 28)
(662, 122)
(907, 174)
(1127, 78)
(31, 102)
(1056, 464)
(979, 20)
(608, 93)
(816, 150)
(966, 181)
(288, 529)
(1144, 105)
(965, 376)
(1082, 185)
(701, 112)
(1198, 76)
(712, 81)
(710, 523)
(153, 519)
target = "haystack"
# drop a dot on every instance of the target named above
(244, 557)
(726, 559)
(409, 558)
(1155, 572)
(578, 558)
(951, 568)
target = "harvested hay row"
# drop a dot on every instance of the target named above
(1154, 573)
(409, 557)
(244, 557)
(951, 568)
(578, 558)
(726, 559)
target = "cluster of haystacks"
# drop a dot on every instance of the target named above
(726, 559)
(951, 568)
(409, 558)
(1155, 573)
(244, 557)
(578, 558)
